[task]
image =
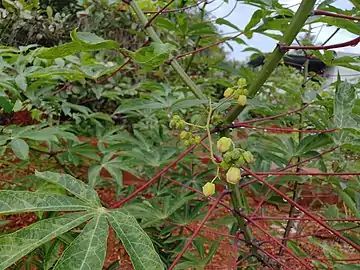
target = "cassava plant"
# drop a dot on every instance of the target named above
(80, 116)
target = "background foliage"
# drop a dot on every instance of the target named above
(84, 91)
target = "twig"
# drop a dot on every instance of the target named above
(335, 15)
(114, 72)
(352, 42)
(188, 243)
(152, 180)
(289, 200)
(158, 13)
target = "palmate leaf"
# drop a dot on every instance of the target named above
(81, 41)
(88, 250)
(136, 242)
(344, 102)
(73, 185)
(18, 244)
(24, 201)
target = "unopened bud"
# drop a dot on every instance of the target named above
(224, 165)
(235, 154)
(197, 139)
(228, 92)
(248, 156)
(241, 82)
(233, 175)
(224, 144)
(242, 100)
(184, 135)
(240, 161)
(208, 189)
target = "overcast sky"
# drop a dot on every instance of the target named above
(242, 14)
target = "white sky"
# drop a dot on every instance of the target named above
(242, 14)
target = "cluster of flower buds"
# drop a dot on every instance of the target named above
(177, 123)
(238, 92)
(233, 159)
(187, 136)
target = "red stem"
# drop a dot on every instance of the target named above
(63, 88)
(246, 217)
(319, 221)
(352, 42)
(178, 9)
(152, 180)
(114, 72)
(203, 48)
(158, 13)
(307, 173)
(285, 129)
(188, 243)
(335, 15)
(306, 219)
(271, 117)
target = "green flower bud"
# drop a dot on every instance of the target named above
(248, 156)
(176, 118)
(182, 124)
(228, 157)
(237, 93)
(209, 189)
(197, 139)
(224, 165)
(233, 175)
(228, 92)
(184, 135)
(240, 161)
(242, 100)
(172, 123)
(187, 143)
(235, 154)
(241, 82)
(224, 144)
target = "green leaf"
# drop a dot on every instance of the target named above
(344, 103)
(52, 254)
(255, 19)
(25, 201)
(312, 142)
(17, 106)
(58, 51)
(88, 250)
(187, 103)
(73, 185)
(139, 104)
(91, 42)
(101, 116)
(349, 203)
(136, 242)
(20, 148)
(21, 82)
(82, 41)
(94, 175)
(342, 266)
(18, 244)
(153, 55)
(222, 21)
(115, 171)
(297, 250)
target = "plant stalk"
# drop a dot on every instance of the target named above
(242, 223)
(297, 186)
(294, 28)
(151, 32)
